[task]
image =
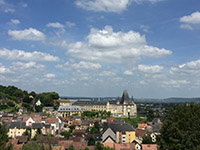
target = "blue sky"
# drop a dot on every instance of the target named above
(101, 47)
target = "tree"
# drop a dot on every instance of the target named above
(181, 130)
(147, 140)
(4, 138)
(99, 146)
(71, 147)
(66, 134)
(91, 141)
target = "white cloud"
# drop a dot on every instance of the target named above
(143, 82)
(26, 56)
(50, 75)
(109, 5)
(103, 5)
(186, 26)
(27, 34)
(175, 83)
(150, 69)
(80, 65)
(128, 72)
(30, 65)
(70, 24)
(194, 18)
(144, 28)
(192, 67)
(55, 25)
(14, 21)
(4, 69)
(107, 73)
(108, 46)
(9, 10)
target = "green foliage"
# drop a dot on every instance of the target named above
(26, 105)
(39, 108)
(99, 146)
(91, 141)
(27, 132)
(181, 130)
(133, 121)
(11, 103)
(95, 128)
(66, 134)
(47, 98)
(4, 138)
(147, 140)
(71, 147)
(34, 146)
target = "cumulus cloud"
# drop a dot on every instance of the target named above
(70, 24)
(107, 73)
(4, 69)
(109, 5)
(14, 21)
(192, 67)
(150, 69)
(55, 25)
(175, 83)
(190, 20)
(194, 18)
(80, 65)
(27, 34)
(26, 56)
(186, 26)
(107, 46)
(50, 75)
(103, 5)
(29, 65)
(128, 72)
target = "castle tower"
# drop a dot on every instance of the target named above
(125, 98)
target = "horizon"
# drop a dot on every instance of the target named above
(101, 47)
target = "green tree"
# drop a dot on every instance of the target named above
(147, 140)
(181, 130)
(91, 141)
(66, 134)
(71, 147)
(99, 146)
(4, 138)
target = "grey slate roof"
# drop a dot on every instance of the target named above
(69, 109)
(120, 127)
(125, 97)
(89, 102)
(18, 125)
(37, 125)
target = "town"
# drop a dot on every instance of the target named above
(75, 124)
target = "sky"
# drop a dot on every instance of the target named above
(151, 48)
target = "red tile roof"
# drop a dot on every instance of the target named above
(149, 147)
(51, 120)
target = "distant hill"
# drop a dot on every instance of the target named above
(140, 100)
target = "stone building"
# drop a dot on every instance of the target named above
(125, 107)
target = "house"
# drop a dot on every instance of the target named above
(65, 111)
(16, 129)
(44, 128)
(142, 125)
(15, 144)
(30, 119)
(118, 133)
(149, 147)
(120, 146)
(7, 118)
(54, 123)
(22, 139)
